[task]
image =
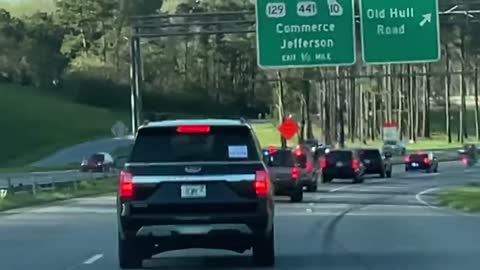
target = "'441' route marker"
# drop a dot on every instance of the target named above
(400, 31)
(305, 33)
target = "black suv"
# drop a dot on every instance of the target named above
(341, 164)
(195, 184)
(374, 163)
(286, 174)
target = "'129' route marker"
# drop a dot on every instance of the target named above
(305, 33)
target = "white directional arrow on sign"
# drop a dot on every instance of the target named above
(426, 18)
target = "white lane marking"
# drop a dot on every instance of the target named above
(419, 195)
(421, 175)
(377, 180)
(340, 188)
(93, 259)
(372, 214)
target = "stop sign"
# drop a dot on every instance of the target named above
(288, 129)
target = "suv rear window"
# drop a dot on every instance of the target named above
(339, 155)
(97, 158)
(370, 154)
(222, 143)
(282, 159)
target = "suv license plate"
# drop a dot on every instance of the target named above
(339, 164)
(193, 191)
(414, 164)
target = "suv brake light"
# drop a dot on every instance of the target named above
(309, 167)
(355, 165)
(295, 173)
(407, 159)
(323, 163)
(126, 188)
(193, 129)
(426, 160)
(298, 152)
(262, 183)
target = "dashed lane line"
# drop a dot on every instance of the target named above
(93, 259)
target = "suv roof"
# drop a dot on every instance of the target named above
(180, 122)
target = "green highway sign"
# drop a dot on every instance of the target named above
(400, 31)
(295, 34)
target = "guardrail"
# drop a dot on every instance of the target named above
(34, 182)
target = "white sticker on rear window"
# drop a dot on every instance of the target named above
(237, 151)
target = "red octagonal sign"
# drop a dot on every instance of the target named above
(288, 129)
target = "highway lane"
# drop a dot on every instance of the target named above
(381, 224)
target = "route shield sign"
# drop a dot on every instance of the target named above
(305, 33)
(400, 31)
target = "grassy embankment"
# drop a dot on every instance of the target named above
(82, 189)
(36, 124)
(462, 198)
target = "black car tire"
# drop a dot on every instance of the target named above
(358, 180)
(131, 254)
(297, 196)
(326, 179)
(264, 250)
(382, 174)
(312, 187)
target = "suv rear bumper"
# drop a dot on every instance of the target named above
(287, 186)
(374, 170)
(236, 233)
(339, 174)
(213, 230)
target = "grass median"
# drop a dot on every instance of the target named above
(65, 192)
(462, 198)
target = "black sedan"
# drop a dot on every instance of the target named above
(421, 162)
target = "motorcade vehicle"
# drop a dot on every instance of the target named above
(195, 184)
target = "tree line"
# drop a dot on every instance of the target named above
(80, 49)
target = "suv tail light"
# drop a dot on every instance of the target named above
(262, 183)
(126, 188)
(407, 159)
(295, 173)
(323, 163)
(426, 160)
(298, 152)
(355, 164)
(193, 129)
(309, 167)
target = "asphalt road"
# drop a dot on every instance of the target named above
(386, 224)
(76, 153)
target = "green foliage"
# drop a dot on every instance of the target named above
(27, 7)
(39, 123)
